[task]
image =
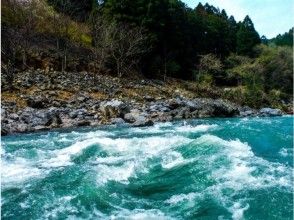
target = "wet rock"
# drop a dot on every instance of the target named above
(117, 121)
(83, 123)
(5, 129)
(41, 128)
(270, 112)
(142, 121)
(246, 113)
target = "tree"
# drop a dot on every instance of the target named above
(247, 37)
(11, 41)
(102, 32)
(78, 10)
(285, 39)
(210, 67)
(62, 26)
(127, 46)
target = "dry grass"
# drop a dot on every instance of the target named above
(14, 97)
(98, 95)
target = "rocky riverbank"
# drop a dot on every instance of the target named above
(42, 101)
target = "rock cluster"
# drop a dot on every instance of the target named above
(38, 117)
(45, 103)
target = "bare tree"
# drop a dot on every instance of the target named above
(118, 43)
(101, 33)
(62, 24)
(127, 46)
(27, 28)
(10, 41)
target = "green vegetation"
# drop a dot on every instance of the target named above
(285, 39)
(155, 38)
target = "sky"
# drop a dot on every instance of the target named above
(270, 17)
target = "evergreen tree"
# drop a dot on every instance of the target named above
(284, 40)
(247, 37)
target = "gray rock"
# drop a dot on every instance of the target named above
(21, 128)
(183, 113)
(41, 128)
(132, 116)
(14, 116)
(270, 112)
(224, 109)
(83, 123)
(175, 103)
(117, 121)
(142, 121)
(40, 117)
(114, 109)
(246, 113)
(78, 112)
(191, 105)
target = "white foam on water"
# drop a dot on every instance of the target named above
(59, 206)
(129, 156)
(158, 128)
(173, 159)
(238, 211)
(97, 134)
(140, 214)
(239, 172)
(175, 199)
(112, 160)
(17, 171)
(145, 146)
(120, 173)
(284, 152)
(198, 128)
(63, 156)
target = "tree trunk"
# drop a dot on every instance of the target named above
(24, 59)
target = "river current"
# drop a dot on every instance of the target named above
(196, 169)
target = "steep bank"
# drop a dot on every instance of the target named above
(39, 100)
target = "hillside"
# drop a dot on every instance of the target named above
(74, 55)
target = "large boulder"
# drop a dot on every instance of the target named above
(35, 118)
(142, 121)
(270, 112)
(175, 103)
(183, 113)
(132, 116)
(117, 121)
(114, 109)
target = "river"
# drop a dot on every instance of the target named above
(238, 168)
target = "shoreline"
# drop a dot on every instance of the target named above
(44, 101)
(65, 129)
(117, 112)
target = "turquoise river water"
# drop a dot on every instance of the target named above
(197, 169)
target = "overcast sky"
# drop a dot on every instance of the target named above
(270, 17)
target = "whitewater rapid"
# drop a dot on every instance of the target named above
(168, 171)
